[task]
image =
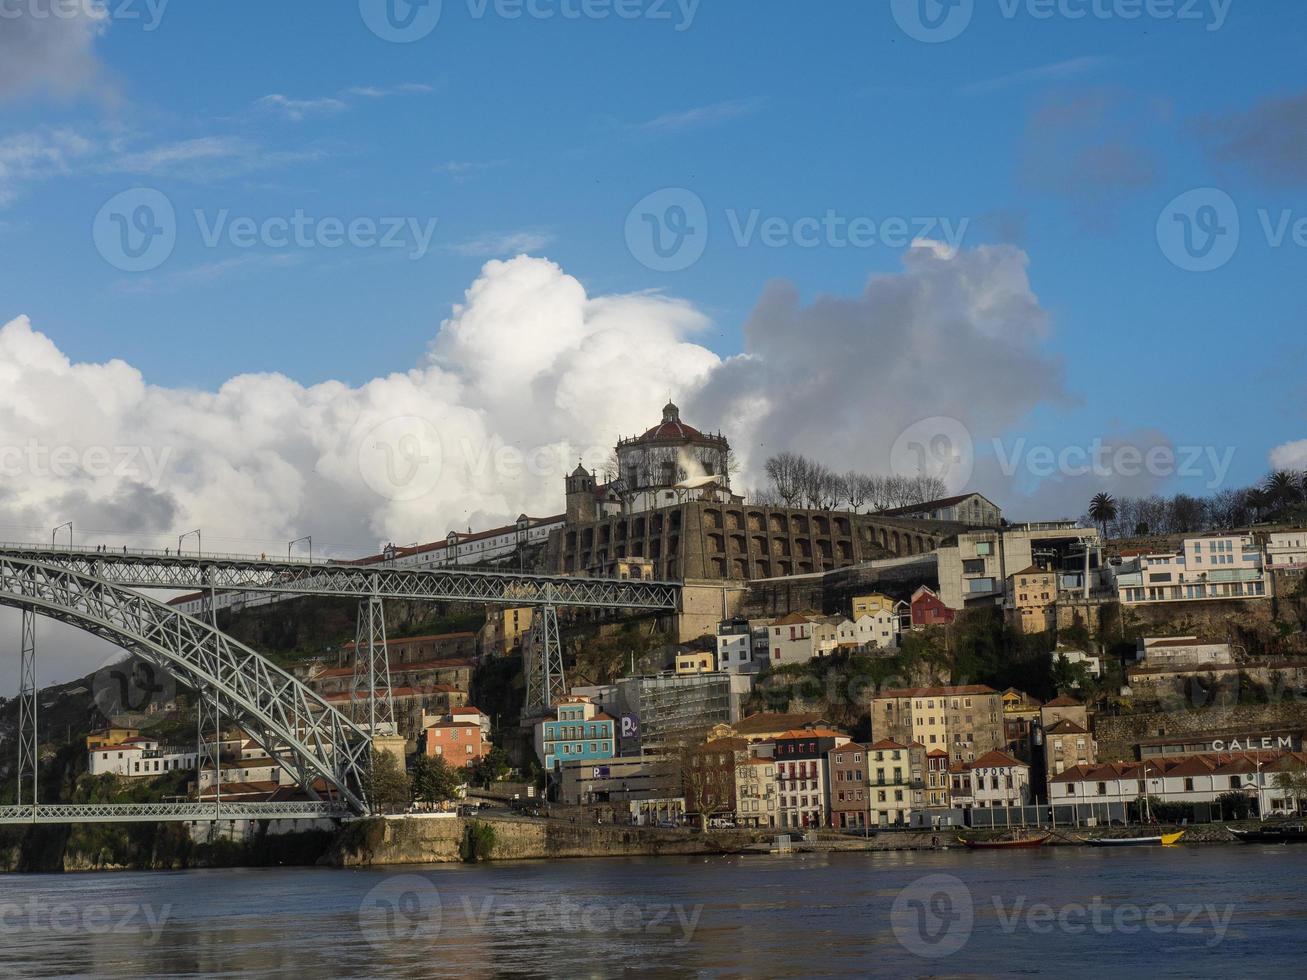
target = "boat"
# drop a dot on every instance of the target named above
(1294, 833)
(1165, 840)
(1005, 845)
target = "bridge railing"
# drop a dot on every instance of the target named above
(59, 813)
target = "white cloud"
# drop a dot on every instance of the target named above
(38, 155)
(526, 374)
(1290, 456)
(44, 50)
(501, 243)
(705, 115)
(299, 109)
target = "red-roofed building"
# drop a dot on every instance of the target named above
(928, 609)
(998, 780)
(462, 744)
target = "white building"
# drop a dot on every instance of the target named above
(139, 758)
(793, 640)
(1286, 549)
(739, 642)
(998, 780)
(1181, 651)
(1194, 779)
(1225, 566)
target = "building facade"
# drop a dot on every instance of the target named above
(578, 732)
(964, 721)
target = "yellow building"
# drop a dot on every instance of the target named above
(964, 721)
(504, 631)
(1031, 603)
(109, 737)
(869, 605)
(696, 662)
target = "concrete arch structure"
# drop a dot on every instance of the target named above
(292, 723)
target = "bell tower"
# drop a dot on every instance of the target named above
(581, 507)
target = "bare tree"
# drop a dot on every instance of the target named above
(785, 470)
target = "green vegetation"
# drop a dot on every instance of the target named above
(478, 842)
(387, 785)
(433, 780)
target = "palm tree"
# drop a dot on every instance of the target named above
(1102, 509)
(1256, 500)
(1282, 488)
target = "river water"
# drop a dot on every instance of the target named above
(1200, 911)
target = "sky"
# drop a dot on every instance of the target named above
(373, 270)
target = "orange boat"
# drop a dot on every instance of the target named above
(1004, 845)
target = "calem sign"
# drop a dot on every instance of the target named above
(1252, 743)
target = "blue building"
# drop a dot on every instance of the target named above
(579, 732)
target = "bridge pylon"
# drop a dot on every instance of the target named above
(545, 682)
(28, 740)
(371, 700)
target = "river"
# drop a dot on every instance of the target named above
(1199, 911)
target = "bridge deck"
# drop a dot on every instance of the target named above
(65, 813)
(232, 573)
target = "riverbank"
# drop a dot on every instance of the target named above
(417, 840)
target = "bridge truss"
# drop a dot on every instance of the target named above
(59, 813)
(295, 726)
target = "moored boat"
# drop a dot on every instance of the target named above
(1295, 833)
(1165, 840)
(1017, 843)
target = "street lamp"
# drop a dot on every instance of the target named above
(199, 544)
(309, 539)
(55, 533)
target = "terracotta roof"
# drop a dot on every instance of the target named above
(773, 721)
(400, 640)
(1065, 727)
(809, 733)
(1033, 570)
(994, 760)
(1063, 701)
(888, 743)
(927, 692)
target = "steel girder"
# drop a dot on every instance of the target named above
(60, 813)
(369, 694)
(236, 574)
(545, 683)
(292, 723)
(28, 738)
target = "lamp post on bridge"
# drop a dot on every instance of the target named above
(199, 542)
(55, 533)
(309, 539)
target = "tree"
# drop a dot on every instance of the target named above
(1293, 784)
(387, 785)
(786, 471)
(492, 768)
(434, 780)
(1102, 509)
(1282, 489)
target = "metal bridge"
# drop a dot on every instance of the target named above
(231, 573)
(60, 813)
(93, 589)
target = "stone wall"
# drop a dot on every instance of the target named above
(1118, 735)
(711, 540)
(435, 841)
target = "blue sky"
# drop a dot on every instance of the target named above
(1063, 137)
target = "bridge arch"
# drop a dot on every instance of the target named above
(291, 722)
